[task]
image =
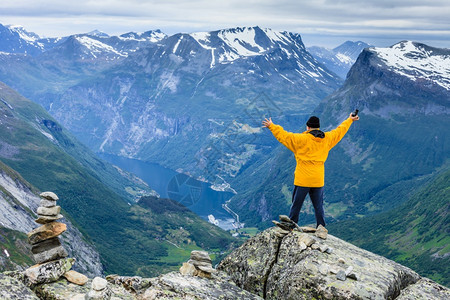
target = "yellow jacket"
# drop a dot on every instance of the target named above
(310, 152)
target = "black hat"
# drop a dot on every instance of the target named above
(313, 122)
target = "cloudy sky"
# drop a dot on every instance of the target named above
(320, 22)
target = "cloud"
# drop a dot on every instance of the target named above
(393, 19)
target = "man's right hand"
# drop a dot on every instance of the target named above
(355, 118)
(267, 122)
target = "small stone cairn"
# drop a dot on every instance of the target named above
(199, 265)
(47, 250)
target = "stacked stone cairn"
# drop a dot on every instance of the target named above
(47, 250)
(199, 265)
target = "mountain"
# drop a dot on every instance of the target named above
(96, 196)
(339, 59)
(416, 233)
(19, 201)
(400, 140)
(15, 39)
(194, 102)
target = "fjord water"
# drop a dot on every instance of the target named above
(194, 194)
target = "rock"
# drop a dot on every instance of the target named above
(352, 276)
(49, 196)
(12, 288)
(200, 263)
(348, 270)
(341, 275)
(206, 269)
(323, 269)
(49, 255)
(280, 232)
(250, 264)
(329, 250)
(274, 268)
(284, 225)
(321, 232)
(315, 246)
(75, 277)
(341, 260)
(201, 273)
(200, 256)
(306, 239)
(49, 211)
(176, 286)
(45, 245)
(48, 219)
(99, 284)
(284, 218)
(333, 271)
(48, 272)
(46, 231)
(424, 289)
(303, 246)
(308, 229)
(132, 283)
(323, 248)
(98, 295)
(187, 269)
(47, 203)
(64, 290)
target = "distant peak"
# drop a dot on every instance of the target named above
(97, 33)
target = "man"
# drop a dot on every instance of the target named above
(311, 151)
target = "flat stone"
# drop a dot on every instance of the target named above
(49, 255)
(333, 271)
(75, 277)
(341, 275)
(284, 225)
(321, 232)
(200, 263)
(284, 218)
(48, 272)
(352, 276)
(315, 246)
(206, 269)
(187, 269)
(99, 295)
(45, 245)
(47, 203)
(306, 239)
(308, 229)
(99, 284)
(45, 232)
(49, 196)
(48, 219)
(329, 250)
(323, 248)
(200, 256)
(280, 232)
(341, 260)
(49, 211)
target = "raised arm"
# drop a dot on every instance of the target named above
(289, 139)
(337, 134)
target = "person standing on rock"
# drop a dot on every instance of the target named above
(311, 151)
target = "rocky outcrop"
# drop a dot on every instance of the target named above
(279, 264)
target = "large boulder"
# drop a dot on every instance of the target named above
(47, 272)
(302, 266)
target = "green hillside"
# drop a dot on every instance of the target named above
(94, 195)
(415, 234)
(15, 244)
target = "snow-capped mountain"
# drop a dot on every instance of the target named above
(15, 39)
(418, 62)
(150, 36)
(339, 59)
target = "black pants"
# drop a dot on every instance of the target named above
(298, 197)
